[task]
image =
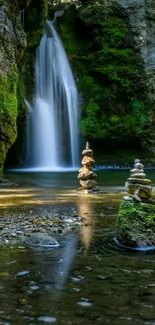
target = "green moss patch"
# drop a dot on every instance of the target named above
(8, 113)
(136, 224)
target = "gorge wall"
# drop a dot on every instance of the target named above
(12, 45)
(111, 47)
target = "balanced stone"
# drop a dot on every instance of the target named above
(140, 175)
(139, 181)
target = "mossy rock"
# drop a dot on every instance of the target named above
(136, 224)
(8, 113)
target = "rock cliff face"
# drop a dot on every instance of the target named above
(141, 16)
(18, 41)
(12, 45)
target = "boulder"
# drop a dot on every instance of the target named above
(42, 240)
(136, 225)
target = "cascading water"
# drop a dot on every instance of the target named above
(54, 118)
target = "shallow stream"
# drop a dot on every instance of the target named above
(88, 279)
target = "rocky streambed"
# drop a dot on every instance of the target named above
(20, 226)
(28, 207)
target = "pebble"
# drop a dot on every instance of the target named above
(19, 232)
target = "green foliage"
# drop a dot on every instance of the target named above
(90, 123)
(109, 74)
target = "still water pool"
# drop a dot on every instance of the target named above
(105, 178)
(88, 279)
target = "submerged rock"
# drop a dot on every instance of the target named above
(42, 240)
(136, 224)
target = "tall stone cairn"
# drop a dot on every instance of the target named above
(86, 175)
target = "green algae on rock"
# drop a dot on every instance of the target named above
(136, 224)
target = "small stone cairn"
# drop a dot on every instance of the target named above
(137, 185)
(86, 175)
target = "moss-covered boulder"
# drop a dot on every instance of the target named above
(136, 224)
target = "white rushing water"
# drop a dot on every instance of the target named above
(53, 139)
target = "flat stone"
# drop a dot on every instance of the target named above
(144, 181)
(138, 175)
(87, 152)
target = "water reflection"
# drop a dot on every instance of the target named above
(86, 209)
(87, 280)
(54, 265)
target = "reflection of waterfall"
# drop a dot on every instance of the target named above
(55, 264)
(54, 117)
(85, 210)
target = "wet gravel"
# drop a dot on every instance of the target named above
(18, 226)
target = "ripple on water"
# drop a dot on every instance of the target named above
(76, 289)
(22, 273)
(47, 319)
(84, 303)
(77, 279)
(34, 287)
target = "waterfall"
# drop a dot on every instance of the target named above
(53, 135)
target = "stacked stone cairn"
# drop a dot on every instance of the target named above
(135, 226)
(86, 175)
(137, 185)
